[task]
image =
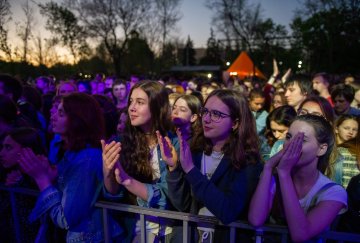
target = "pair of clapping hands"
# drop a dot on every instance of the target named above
(111, 155)
(37, 167)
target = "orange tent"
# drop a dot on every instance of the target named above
(243, 67)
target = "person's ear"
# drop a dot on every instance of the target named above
(322, 149)
(235, 124)
(193, 118)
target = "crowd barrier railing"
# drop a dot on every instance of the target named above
(186, 218)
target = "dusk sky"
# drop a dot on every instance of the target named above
(196, 20)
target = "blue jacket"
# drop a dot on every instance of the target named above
(70, 203)
(226, 195)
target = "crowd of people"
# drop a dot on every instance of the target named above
(282, 151)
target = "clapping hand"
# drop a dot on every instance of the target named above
(121, 176)
(285, 77)
(185, 153)
(110, 155)
(168, 152)
(111, 163)
(38, 167)
(275, 68)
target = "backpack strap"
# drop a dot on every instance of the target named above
(318, 193)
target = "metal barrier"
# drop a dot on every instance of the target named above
(186, 218)
(207, 220)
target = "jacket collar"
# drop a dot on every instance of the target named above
(224, 165)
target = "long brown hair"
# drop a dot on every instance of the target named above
(194, 104)
(242, 145)
(135, 152)
(85, 126)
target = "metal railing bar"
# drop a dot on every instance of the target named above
(232, 234)
(143, 228)
(20, 190)
(158, 212)
(15, 217)
(186, 235)
(186, 218)
(106, 225)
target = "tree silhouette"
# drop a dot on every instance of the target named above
(188, 54)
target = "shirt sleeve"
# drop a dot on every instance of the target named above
(335, 193)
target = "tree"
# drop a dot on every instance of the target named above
(328, 34)
(62, 23)
(138, 47)
(188, 54)
(213, 52)
(236, 19)
(167, 58)
(24, 29)
(44, 50)
(111, 22)
(5, 14)
(167, 14)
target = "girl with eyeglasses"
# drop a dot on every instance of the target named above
(219, 180)
(317, 105)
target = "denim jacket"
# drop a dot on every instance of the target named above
(70, 203)
(158, 191)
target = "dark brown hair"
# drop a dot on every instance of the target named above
(135, 152)
(85, 125)
(242, 145)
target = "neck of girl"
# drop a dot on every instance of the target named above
(218, 147)
(305, 178)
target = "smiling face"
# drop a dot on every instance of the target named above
(9, 152)
(181, 113)
(59, 120)
(217, 132)
(347, 130)
(139, 110)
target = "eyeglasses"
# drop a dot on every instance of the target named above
(215, 115)
(302, 112)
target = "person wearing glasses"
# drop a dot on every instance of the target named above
(317, 105)
(220, 180)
